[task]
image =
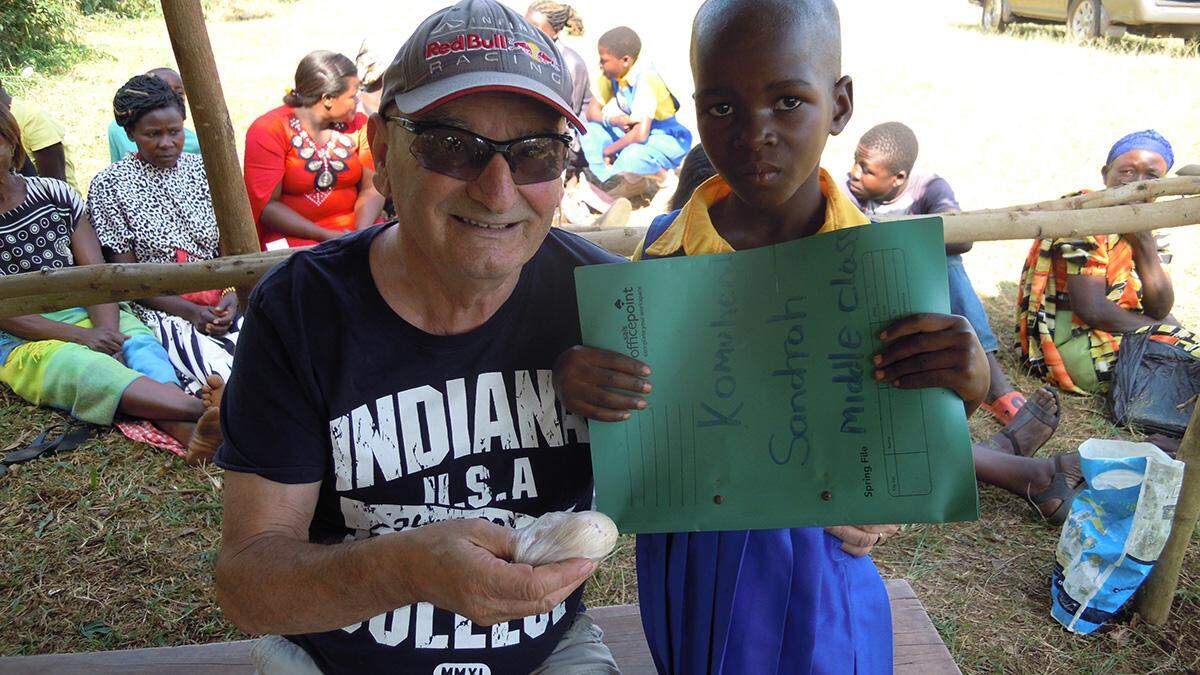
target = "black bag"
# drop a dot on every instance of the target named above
(1155, 385)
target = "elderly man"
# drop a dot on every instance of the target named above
(391, 414)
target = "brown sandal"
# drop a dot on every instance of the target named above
(1059, 489)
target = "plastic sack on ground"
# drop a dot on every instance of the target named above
(1117, 528)
(1153, 384)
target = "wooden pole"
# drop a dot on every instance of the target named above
(55, 289)
(1156, 595)
(1126, 194)
(49, 290)
(218, 146)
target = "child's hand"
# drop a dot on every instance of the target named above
(858, 540)
(584, 377)
(934, 350)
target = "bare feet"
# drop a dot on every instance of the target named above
(1033, 425)
(206, 438)
(211, 391)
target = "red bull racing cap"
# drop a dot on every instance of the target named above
(477, 46)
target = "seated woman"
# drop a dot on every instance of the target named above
(308, 166)
(1078, 296)
(92, 362)
(153, 206)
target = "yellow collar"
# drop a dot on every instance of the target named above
(694, 232)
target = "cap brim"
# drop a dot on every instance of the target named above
(437, 93)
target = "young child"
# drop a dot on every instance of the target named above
(767, 601)
(882, 183)
(632, 135)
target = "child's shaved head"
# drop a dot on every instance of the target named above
(769, 93)
(769, 20)
(621, 41)
(894, 144)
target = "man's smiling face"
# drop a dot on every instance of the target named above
(487, 228)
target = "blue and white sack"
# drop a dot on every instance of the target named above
(1117, 528)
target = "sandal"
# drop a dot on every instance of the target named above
(1006, 407)
(1028, 413)
(44, 445)
(1059, 489)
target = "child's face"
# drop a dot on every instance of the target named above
(614, 67)
(871, 178)
(764, 109)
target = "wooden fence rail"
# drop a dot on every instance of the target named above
(37, 292)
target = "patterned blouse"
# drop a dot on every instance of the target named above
(159, 215)
(36, 234)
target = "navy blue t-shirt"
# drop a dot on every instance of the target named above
(404, 428)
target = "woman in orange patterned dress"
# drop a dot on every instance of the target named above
(308, 166)
(1079, 296)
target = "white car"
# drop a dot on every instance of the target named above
(1090, 19)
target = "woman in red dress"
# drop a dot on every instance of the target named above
(308, 165)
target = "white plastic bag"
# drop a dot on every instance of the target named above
(1117, 528)
(562, 535)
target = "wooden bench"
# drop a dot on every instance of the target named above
(918, 648)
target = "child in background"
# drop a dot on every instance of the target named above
(882, 183)
(788, 600)
(632, 134)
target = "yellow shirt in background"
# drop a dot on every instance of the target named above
(640, 93)
(694, 232)
(39, 131)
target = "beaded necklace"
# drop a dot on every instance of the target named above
(327, 162)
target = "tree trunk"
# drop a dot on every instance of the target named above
(1156, 595)
(218, 146)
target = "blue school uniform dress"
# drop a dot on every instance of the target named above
(758, 601)
(640, 94)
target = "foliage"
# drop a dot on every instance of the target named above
(121, 8)
(38, 33)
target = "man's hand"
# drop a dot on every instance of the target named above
(585, 378)
(934, 350)
(858, 540)
(103, 340)
(462, 566)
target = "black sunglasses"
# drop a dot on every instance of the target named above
(458, 153)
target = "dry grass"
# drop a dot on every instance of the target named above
(111, 546)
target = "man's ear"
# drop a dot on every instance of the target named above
(1104, 174)
(899, 178)
(843, 105)
(377, 136)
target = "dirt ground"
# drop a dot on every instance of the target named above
(112, 546)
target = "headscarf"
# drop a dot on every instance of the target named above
(1148, 139)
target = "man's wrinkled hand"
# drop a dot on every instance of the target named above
(462, 566)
